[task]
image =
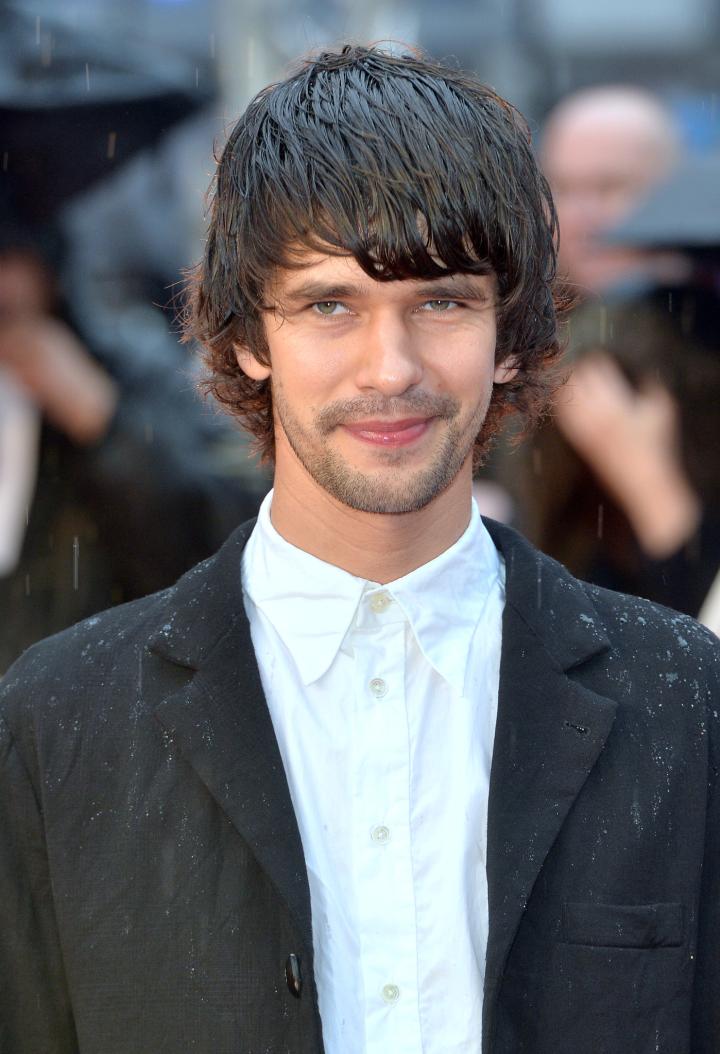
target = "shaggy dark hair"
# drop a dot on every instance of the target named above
(413, 168)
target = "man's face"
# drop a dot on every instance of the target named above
(598, 171)
(379, 388)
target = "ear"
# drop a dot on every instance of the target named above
(250, 365)
(504, 372)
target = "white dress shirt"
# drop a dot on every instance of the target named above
(383, 700)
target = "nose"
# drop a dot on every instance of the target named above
(389, 361)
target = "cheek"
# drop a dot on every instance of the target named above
(304, 380)
(468, 371)
(471, 387)
(320, 368)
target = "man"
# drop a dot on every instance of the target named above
(603, 149)
(622, 505)
(378, 777)
(92, 456)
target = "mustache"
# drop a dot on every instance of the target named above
(414, 404)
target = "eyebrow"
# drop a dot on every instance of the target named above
(456, 287)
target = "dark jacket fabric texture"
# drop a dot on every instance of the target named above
(153, 891)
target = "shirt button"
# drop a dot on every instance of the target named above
(390, 993)
(380, 834)
(378, 687)
(380, 601)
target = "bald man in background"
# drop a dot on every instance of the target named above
(603, 149)
(616, 504)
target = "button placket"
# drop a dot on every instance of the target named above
(386, 909)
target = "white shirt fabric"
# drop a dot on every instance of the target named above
(20, 425)
(383, 701)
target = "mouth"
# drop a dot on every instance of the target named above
(390, 433)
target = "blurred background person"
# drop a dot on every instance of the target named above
(110, 484)
(640, 408)
(603, 148)
(114, 477)
(617, 485)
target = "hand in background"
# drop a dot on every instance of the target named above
(630, 439)
(60, 376)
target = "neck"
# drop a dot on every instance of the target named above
(380, 548)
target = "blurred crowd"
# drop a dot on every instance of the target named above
(622, 483)
(115, 476)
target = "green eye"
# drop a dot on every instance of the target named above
(326, 307)
(440, 305)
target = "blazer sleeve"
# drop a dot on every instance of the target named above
(706, 993)
(35, 1011)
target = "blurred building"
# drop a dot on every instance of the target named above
(531, 51)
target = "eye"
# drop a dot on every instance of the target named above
(328, 308)
(440, 306)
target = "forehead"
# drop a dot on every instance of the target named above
(315, 276)
(593, 150)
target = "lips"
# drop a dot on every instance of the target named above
(390, 433)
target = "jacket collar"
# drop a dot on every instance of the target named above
(553, 605)
(203, 605)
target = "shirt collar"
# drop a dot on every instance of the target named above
(313, 605)
(310, 604)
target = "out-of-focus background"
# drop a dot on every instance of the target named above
(115, 477)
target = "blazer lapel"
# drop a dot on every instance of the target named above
(550, 730)
(220, 720)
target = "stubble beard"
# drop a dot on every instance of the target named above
(383, 491)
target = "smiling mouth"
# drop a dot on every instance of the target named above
(390, 433)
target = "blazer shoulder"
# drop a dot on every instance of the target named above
(637, 623)
(60, 664)
(664, 666)
(96, 653)
(636, 647)
(112, 640)
(550, 596)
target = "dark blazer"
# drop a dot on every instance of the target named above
(153, 893)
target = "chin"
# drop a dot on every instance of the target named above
(394, 494)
